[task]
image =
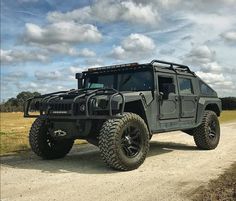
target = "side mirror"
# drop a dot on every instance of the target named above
(79, 77)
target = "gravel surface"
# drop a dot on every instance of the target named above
(173, 170)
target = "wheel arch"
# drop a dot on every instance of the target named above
(137, 107)
(211, 104)
(213, 107)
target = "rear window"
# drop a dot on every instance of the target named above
(206, 90)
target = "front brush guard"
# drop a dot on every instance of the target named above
(44, 100)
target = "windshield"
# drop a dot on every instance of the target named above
(122, 81)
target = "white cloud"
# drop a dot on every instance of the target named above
(45, 75)
(211, 78)
(229, 36)
(211, 67)
(94, 62)
(167, 51)
(14, 76)
(200, 55)
(60, 37)
(63, 74)
(118, 52)
(128, 11)
(87, 53)
(20, 56)
(41, 87)
(72, 70)
(139, 13)
(62, 32)
(138, 41)
(61, 48)
(133, 46)
(80, 15)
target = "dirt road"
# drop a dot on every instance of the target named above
(173, 170)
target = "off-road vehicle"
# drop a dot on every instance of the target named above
(118, 108)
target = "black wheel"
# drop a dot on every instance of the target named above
(44, 145)
(124, 143)
(207, 135)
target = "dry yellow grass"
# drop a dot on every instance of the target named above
(14, 130)
(227, 116)
(14, 133)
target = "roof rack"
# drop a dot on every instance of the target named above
(112, 67)
(173, 66)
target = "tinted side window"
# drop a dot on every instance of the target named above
(185, 86)
(166, 85)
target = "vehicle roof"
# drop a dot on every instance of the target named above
(157, 65)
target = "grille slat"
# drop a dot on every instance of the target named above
(57, 107)
(66, 107)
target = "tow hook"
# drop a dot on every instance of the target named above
(60, 133)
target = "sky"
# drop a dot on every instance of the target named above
(45, 42)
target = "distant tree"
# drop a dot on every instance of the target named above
(16, 104)
(228, 103)
(25, 95)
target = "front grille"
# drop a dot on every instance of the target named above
(60, 106)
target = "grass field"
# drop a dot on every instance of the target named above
(14, 131)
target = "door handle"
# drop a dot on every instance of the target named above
(176, 98)
(160, 96)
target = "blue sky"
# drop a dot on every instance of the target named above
(45, 42)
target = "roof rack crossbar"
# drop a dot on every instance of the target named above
(178, 66)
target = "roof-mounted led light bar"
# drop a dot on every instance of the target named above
(113, 67)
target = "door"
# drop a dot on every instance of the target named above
(188, 100)
(168, 97)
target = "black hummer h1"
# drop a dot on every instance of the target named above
(119, 108)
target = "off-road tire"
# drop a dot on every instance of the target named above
(201, 133)
(39, 141)
(110, 142)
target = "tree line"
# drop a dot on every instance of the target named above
(16, 104)
(228, 103)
